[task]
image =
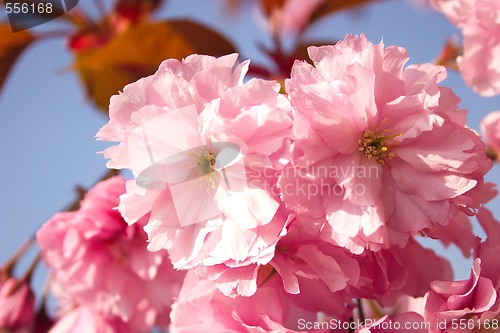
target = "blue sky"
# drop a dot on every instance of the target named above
(47, 127)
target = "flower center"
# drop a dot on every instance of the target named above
(205, 164)
(376, 144)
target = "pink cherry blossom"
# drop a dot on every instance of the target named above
(174, 127)
(490, 128)
(458, 232)
(480, 24)
(488, 250)
(471, 305)
(84, 319)
(473, 302)
(388, 275)
(102, 264)
(17, 302)
(300, 255)
(380, 152)
(315, 271)
(202, 308)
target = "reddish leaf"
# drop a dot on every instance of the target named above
(283, 62)
(11, 46)
(134, 10)
(449, 54)
(138, 51)
(270, 6)
(85, 41)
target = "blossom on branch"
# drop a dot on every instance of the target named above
(490, 128)
(204, 147)
(381, 149)
(101, 265)
(472, 305)
(17, 304)
(480, 24)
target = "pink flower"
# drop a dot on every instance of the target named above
(204, 147)
(471, 305)
(388, 275)
(480, 24)
(462, 306)
(380, 152)
(488, 250)
(84, 319)
(299, 256)
(101, 263)
(17, 302)
(490, 128)
(202, 308)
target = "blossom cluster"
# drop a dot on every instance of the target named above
(480, 25)
(300, 204)
(254, 210)
(282, 212)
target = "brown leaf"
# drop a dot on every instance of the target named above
(449, 54)
(135, 9)
(331, 6)
(138, 51)
(270, 6)
(11, 46)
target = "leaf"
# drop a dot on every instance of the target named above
(203, 39)
(138, 52)
(270, 6)
(331, 6)
(11, 47)
(449, 54)
(136, 9)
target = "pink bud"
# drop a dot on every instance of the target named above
(16, 303)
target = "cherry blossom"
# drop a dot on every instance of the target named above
(381, 150)
(17, 305)
(201, 307)
(102, 264)
(490, 128)
(202, 144)
(480, 25)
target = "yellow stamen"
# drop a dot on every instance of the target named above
(205, 163)
(375, 144)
